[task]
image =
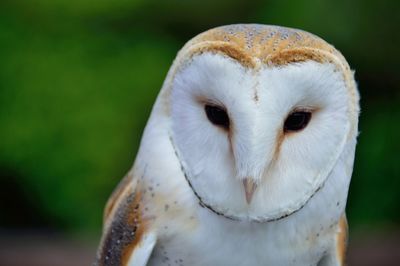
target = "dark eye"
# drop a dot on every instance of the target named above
(297, 121)
(217, 115)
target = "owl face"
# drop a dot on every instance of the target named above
(256, 143)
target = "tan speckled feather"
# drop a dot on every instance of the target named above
(254, 45)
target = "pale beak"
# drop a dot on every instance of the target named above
(249, 188)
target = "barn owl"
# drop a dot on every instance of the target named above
(246, 158)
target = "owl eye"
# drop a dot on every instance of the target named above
(297, 121)
(217, 115)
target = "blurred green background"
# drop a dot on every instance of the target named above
(78, 80)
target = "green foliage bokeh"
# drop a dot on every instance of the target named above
(78, 79)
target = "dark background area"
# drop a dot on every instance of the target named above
(78, 80)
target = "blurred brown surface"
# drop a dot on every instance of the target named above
(375, 249)
(378, 249)
(38, 250)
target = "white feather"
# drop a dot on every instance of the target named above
(216, 162)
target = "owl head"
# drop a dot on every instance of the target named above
(258, 117)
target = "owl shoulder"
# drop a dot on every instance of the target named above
(127, 238)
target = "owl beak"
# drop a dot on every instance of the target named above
(249, 188)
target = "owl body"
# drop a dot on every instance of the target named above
(246, 158)
(190, 235)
